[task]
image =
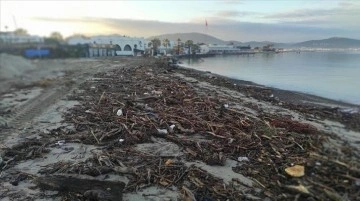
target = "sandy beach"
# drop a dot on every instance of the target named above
(133, 128)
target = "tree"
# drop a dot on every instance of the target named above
(166, 43)
(178, 40)
(56, 36)
(155, 43)
(21, 32)
(189, 43)
(195, 48)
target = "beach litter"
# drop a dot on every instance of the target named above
(176, 137)
(295, 171)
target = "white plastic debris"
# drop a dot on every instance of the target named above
(156, 92)
(234, 84)
(121, 140)
(357, 182)
(171, 128)
(119, 112)
(60, 142)
(92, 87)
(317, 163)
(272, 95)
(226, 105)
(162, 131)
(231, 140)
(243, 158)
(146, 93)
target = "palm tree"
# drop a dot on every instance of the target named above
(189, 43)
(178, 40)
(166, 43)
(155, 43)
(56, 36)
(21, 32)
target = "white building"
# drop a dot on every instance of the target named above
(12, 38)
(224, 49)
(110, 45)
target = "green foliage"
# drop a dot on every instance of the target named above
(166, 43)
(21, 32)
(56, 36)
(156, 43)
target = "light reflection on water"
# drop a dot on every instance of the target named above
(334, 75)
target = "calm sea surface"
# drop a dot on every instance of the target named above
(334, 75)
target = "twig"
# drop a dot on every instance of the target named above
(94, 136)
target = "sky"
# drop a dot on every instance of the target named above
(241, 20)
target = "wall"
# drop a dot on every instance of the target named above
(126, 44)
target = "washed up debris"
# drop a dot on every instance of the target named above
(162, 131)
(119, 112)
(296, 171)
(157, 134)
(300, 188)
(156, 92)
(60, 142)
(82, 184)
(242, 159)
(169, 162)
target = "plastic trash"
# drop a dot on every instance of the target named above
(162, 131)
(119, 112)
(243, 158)
(156, 92)
(171, 128)
(272, 95)
(226, 105)
(60, 142)
(295, 171)
(121, 140)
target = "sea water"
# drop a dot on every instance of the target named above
(330, 74)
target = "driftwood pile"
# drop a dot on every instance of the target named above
(147, 103)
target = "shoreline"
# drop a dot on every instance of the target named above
(170, 133)
(299, 101)
(293, 96)
(345, 93)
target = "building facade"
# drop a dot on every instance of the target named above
(110, 45)
(12, 38)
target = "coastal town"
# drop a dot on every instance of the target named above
(55, 46)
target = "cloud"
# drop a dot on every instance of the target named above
(232, 1)
(233, 13)
(342, 16)
(218, 27)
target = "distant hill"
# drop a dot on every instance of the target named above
(260, 44)
(195, 37)
(334, 42)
